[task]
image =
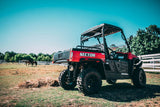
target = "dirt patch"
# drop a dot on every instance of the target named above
(48, 81)
(153, 75)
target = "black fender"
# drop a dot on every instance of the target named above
(135, 63)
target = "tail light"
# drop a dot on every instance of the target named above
(71, 55)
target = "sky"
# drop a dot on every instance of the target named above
(47, 26)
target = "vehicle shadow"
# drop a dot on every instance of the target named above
(125, 92)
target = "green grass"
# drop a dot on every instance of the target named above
(59, 97)
(110, 95)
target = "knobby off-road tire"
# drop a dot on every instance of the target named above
(63, 81)
(112, 81)
(89, 81)
(139, 78)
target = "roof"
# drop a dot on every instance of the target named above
(95, 31)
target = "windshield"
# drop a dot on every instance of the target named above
(93, 41)
(116, 43)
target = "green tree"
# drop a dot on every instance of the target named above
(44, 57)
(1, 56)
(40, 54)
(153, 30)
(11, 59)
(34, 56)
(15, 57)
(27, 57)
(147, 41)
(6, 57)
(51, 56)
(40, 58)
(18, 57)
(9, 56)
(47, 58)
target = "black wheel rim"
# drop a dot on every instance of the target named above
(92, 82)
(67, 82)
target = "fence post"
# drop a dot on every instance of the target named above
(140, 57)
(153, 63)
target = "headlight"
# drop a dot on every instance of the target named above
(71, 68)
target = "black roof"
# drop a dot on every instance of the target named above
(95, 31)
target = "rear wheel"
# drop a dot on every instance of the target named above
(139, 78)
(64, 81)
(111, 81)
(89, 81)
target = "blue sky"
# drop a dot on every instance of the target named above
(34, 26)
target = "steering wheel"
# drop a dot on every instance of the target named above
(112, 54)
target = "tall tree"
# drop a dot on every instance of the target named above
(34, 56)
(147, 41)
(6, 56)
(1, 56)
(9, 56)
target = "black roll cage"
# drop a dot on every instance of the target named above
(102, 30)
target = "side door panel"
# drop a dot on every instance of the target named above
(117, 67)
(122, 66)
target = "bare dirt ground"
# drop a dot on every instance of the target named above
(17, 81)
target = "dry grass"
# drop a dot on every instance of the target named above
(29, 78)
(20, 69)
(41, 82)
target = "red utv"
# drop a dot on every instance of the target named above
(89, 65)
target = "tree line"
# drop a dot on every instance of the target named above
(16, 57)
(146, 41)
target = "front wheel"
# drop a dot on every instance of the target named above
(89, 81)
(64, 82)
(139, 78)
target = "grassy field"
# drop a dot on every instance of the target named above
(120, 95)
